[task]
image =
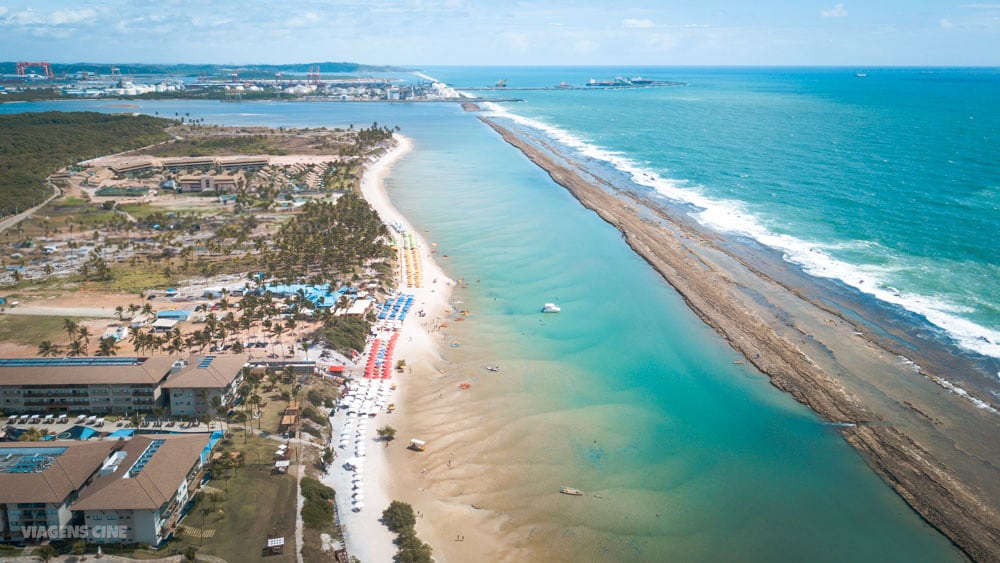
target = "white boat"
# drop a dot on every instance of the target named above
(571, 491)
(551, 308)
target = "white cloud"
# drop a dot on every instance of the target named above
(68, 16)
(3, 10)
(304, 20)
(838, 11)
(947, 24)
(636, 22)
(30, 17)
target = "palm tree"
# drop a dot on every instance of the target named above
(239, 417)
(71, 326)
(46, 552)
(33, 434)
(77, 348)
(120, 311)
(47, 349)
(83, 333)
(221, 409)
(108, 346)
(277, 330)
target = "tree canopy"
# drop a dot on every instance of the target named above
(34, 145)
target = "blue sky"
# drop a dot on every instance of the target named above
(499, 32)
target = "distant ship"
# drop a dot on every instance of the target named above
(551, 308)
(640, 81)
(594, 82)
(861, 74)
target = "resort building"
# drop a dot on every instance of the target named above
(194, 163)
(98, 385)
(244, 164)
(39, 481)
(196, 388)
(132, 167)
(142, 487)
(206, 183)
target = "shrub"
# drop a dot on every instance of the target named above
(399, 516)
(314, 490)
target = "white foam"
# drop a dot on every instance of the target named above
(730, 217)
(978, 403)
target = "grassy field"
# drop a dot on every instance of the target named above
(31, 330)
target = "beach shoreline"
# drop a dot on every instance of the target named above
(932, 447)
(419, 345)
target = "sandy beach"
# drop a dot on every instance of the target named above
(366, 537)
(932, 446)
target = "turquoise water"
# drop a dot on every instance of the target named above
(625, 393)
(888, 183)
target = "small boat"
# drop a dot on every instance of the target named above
(571, 491)
(464, 386)
(493, 368)
(551, 308)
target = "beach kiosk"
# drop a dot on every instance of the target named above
(275, 546)
(417, 445)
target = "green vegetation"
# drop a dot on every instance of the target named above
(317, 512)
(340, 237)
(344, 334)
(387, 433)
(399, 518)
(242, 527)
(34, 145)
(210, 146)
(32, 95)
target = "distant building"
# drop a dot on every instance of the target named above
(144, 486)
(40, 480)
(132, 167)
(206, 183)
(290, 418)
(175, 314)
(193, 388)
(164, 325)
(243, 164)
(177, 164)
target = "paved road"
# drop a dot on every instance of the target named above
(15, 219)
(91, 312)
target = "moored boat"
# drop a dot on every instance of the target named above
(551, 308)
(571, 491)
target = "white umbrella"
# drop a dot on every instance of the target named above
(358, 496)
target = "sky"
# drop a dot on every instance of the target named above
(505, 32)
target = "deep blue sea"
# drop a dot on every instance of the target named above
(888, 182)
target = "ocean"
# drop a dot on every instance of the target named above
(887, 184)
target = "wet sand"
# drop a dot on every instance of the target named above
(935, 448)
